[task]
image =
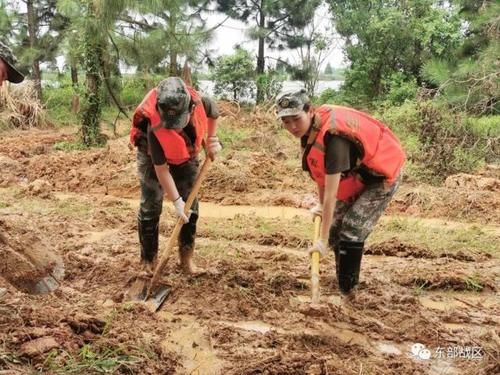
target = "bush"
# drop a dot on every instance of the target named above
(270, 84)
(135, 87)
(439, 142)
(57, 98)
(400, 88)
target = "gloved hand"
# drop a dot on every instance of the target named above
(319, 245)
(316, 210)
(179, 205)
(213, 146)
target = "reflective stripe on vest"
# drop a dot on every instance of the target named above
(381, 151)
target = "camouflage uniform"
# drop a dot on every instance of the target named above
(173, 104)
(151, 203)
(354, 221)
(355, 216)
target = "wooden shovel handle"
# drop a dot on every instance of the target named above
(179, 223)
(315, 263)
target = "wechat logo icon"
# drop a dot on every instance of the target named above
(419, 351)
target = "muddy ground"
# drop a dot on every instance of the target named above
(430, 273)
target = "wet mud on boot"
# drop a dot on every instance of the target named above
(148, 237)
(187, 265)
(348, 265)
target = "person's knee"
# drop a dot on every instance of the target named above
(352, 234)
(149, 212)
(188, 231)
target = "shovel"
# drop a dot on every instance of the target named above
(31, 270)
(151, 293)
(315, 263)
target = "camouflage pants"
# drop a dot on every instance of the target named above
(151, 203)
(354, 221)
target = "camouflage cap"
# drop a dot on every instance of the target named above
(291, 103)
(173, 101)
(10, 60)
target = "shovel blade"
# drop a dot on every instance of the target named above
(138, 291)
(157, 298)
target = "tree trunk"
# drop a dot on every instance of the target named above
(260, 53)
(92, 111)
(172, 71)
(75, 100)
(32, 32)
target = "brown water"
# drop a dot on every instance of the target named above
(191, 342)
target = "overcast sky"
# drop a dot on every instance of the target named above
(232, 32)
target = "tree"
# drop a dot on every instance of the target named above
(470, 79)
(94, 21)
(174, 30)
(313, 44)
(233, 75)
(328, 69)
(388, 38)
(39, 32)
(272, 19)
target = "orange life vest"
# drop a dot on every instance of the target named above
(173, 143)
(381, 152)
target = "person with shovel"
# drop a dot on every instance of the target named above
(356, 163)
(30, 269)
(8, 72)
(169, 129)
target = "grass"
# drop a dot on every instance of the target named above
(474, 282)
(232, 138)
(436, 235)
(419, 232)
(70, 146)
(90, 360)
(248, 227)
(13, 200)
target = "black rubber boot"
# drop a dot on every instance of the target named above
(336, 252)
(348, 265)
(148, 236)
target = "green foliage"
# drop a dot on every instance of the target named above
(233, 76)
(57, 100)
(439, 142)
(388, 38)
(92, 360)
(168, 31)
(70, 146)
(135, 87)
(270, 22)
(470, 81)
(399, 88)
(270, 84)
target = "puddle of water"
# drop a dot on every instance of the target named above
(94, 237)
(449, 300)
(190, 340)
(431, 303)
(342, 332)
(442, 367)
(217, 211)
(251, 325)
(387, 348)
